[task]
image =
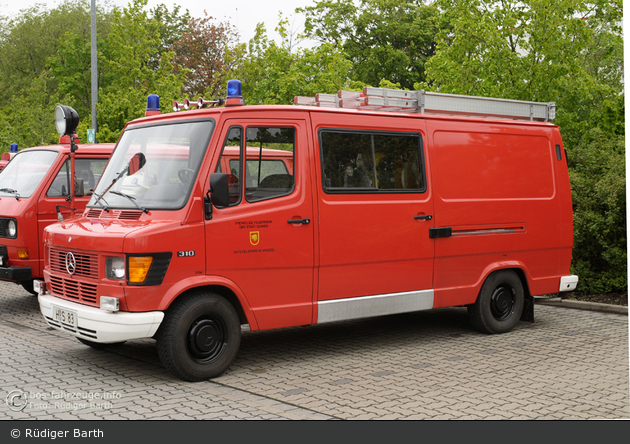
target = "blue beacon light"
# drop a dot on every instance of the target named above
(234, 94)
(153, 105)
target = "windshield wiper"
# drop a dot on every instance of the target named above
(118, 176)
(100, 196)
(12, 191)
(132, 199)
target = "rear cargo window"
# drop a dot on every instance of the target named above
(364, 162)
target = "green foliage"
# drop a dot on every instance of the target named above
(384, 39)
(274, 74)
(563, 51)
(45, 59)
(207, 52)
(132, 71)
(599, 198)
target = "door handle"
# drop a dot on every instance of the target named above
(426, 217)
(299, 221)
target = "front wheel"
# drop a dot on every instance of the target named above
(500, 303)
(199, 337)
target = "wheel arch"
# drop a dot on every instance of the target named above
(519, 268)
(223, 287)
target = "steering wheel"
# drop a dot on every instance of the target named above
(185, 175)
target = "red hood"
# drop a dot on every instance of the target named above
(82, 233)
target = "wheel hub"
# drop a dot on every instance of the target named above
(502, 302)
(206, 340)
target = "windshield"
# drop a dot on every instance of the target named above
(154, 167)
(25, 172)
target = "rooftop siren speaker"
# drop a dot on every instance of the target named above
(178, 106)
(188, 104)
(202, 103)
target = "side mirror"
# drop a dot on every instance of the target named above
(136, 163)
(219, 189)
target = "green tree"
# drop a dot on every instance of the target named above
(598, 184)
(274, 73)
(384, 39)
(563, 51)
(31, 37)
(207, 51)
(70, 65)
(130, 71)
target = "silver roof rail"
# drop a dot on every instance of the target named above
(383, 99)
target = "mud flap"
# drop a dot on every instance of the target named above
(528, 309)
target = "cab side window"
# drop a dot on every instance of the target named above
(371, 162)
(89, 170)
(269, 152)
(231, 162)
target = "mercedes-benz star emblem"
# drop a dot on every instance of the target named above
(71, 263)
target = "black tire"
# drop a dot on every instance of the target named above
(99, 345)
(28, 286)
(199, 337)
(500, 303)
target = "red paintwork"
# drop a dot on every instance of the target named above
(507, 211)
(35, 213)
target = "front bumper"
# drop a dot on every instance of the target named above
(99, 325)
(16, 274)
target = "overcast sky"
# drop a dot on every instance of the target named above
(244, 14)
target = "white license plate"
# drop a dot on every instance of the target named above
(64, 316)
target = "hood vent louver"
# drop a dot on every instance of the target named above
(114, 214)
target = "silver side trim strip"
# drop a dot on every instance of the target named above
(377, 305)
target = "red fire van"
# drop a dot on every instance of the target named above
(391, 202)
(34, 188)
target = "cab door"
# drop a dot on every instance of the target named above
(263, 241)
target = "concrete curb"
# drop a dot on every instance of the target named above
(580, 305)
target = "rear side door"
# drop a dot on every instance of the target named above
(263, 241)
(376, 216)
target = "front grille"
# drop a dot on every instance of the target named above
(73, 290)
(86, 264)
(3, 224)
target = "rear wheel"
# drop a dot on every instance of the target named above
(199, 337)
(500, 303)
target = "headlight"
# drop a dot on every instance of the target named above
(115, 268)
(12, 228)
(66, 120)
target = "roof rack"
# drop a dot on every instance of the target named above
(383, 99)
